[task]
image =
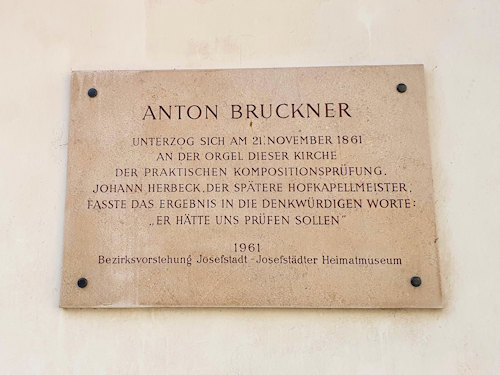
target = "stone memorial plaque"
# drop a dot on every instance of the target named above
(295, 187)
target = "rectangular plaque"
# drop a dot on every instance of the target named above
(294, 187)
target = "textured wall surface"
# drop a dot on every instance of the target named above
(41, 42)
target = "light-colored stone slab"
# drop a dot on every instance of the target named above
(296, 187)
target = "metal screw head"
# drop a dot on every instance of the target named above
(92, 92)
(82, 282)
(416, 281)
(401, 88)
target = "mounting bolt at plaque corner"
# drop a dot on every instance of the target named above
(416, 281)
(82, 282)
(92, 92)
(401, 88)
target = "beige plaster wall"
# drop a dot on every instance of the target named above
(42, 41)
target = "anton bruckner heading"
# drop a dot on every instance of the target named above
(246, 111)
